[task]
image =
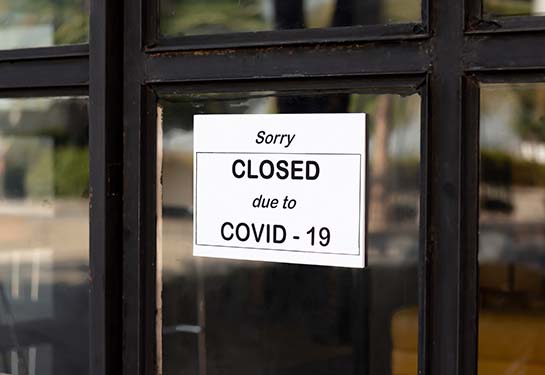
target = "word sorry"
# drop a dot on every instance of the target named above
(263, 137)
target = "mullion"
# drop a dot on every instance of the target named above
(139, 197)
(446, 354)
(105, 179)
(139, 242)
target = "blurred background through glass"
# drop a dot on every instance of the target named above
(195, 17)
(512, 230)
(44, 236)
(496, 8)
(43, 23)
(222, 317)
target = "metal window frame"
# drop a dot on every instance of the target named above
(450, 52)
(126, 65)
(93, 70)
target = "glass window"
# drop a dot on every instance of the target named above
(43, 23)
(44, 236)
(194, 17)
(241, 317)
(495, 8)
(512, 230)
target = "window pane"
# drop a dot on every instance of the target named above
(194, 17)
(495, 8)
(43, 23)
(512, 230)
(292, 319)
(44, 236)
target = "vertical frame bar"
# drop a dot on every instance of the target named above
(139, 204)
(473, 14)
(140, 218)
(444, 221)
(105, 145)
(425, 15)
(469, 285)
(152, 22)
(424, 248)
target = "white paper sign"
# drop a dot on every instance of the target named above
(284, 188)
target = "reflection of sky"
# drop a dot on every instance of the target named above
(539, 6)
(178, 140)
(405, 138)
(497, 246)
(36, 104)
(496, 129)
(26, 36)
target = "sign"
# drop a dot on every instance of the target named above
(284, 188)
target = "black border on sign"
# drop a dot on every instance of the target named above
(277, 153)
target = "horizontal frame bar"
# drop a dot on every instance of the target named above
(44, 53)
(513, 76)
(402, 85)
(400, 31)
(291, 62)
(54, 72)
(504, 51)
(508, 24)
(46, 92)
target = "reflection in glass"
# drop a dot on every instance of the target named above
(43, 23)
(44, 236)
(512, 230)
(241, 317)
(194, 17)
(495, 8)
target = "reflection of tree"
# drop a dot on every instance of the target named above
(47, 152)
(531, 125)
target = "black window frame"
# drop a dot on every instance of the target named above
(93, 70)
(127, 65)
